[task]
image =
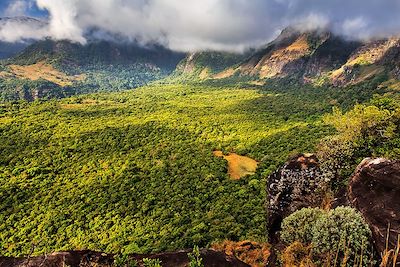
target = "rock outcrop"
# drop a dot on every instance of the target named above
(374, 190)
(299, 183)
(210, 258)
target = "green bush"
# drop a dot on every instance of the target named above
(344, 232)
(299, 225)
(339, 236)
(363, 131)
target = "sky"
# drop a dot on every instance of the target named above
(17, 8)
(193, 25)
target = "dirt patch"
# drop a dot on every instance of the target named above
(42, 70)
(238, 166)
(4, 74)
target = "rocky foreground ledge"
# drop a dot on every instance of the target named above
(374, 190)
(88, 258)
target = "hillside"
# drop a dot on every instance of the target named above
(48, 69)
(298, 55)
(8, 49)
(206, 65)
(318, 58)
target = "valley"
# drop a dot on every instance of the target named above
(91, 169)
(99, 170)
(117, 149)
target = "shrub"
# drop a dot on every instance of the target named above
(151, 262)
(364, 131)
(337, 236)
(344, 232)
(250, 252)
(299, 225)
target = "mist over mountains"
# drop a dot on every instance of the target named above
(192, 25)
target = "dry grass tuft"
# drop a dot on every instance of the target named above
(390, 257)
(253, 253)
(297, 255)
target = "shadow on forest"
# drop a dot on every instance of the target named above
(135, 179)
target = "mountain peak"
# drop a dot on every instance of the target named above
(20, 19)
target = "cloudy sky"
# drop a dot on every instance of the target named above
(189, 25)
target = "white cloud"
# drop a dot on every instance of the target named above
(312, 22)
(17, 8)
(184, 25)
(15, 31)
(233, 25)
(356, 27)
(63, 22)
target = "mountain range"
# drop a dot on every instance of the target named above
(48, 68)
(316, 58)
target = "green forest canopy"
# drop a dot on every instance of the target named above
(134, 171)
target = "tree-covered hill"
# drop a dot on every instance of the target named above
(96, 66)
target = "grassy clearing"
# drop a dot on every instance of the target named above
(238, 166)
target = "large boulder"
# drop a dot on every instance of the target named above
(298, 184)
(374, 190)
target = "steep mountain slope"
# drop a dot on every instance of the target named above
(72, 68)
(371, 59)
(205, 65)
(314, 57)
(296, 55)
(60, 68)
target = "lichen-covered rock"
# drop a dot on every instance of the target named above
(374, 190)
(298, 184)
